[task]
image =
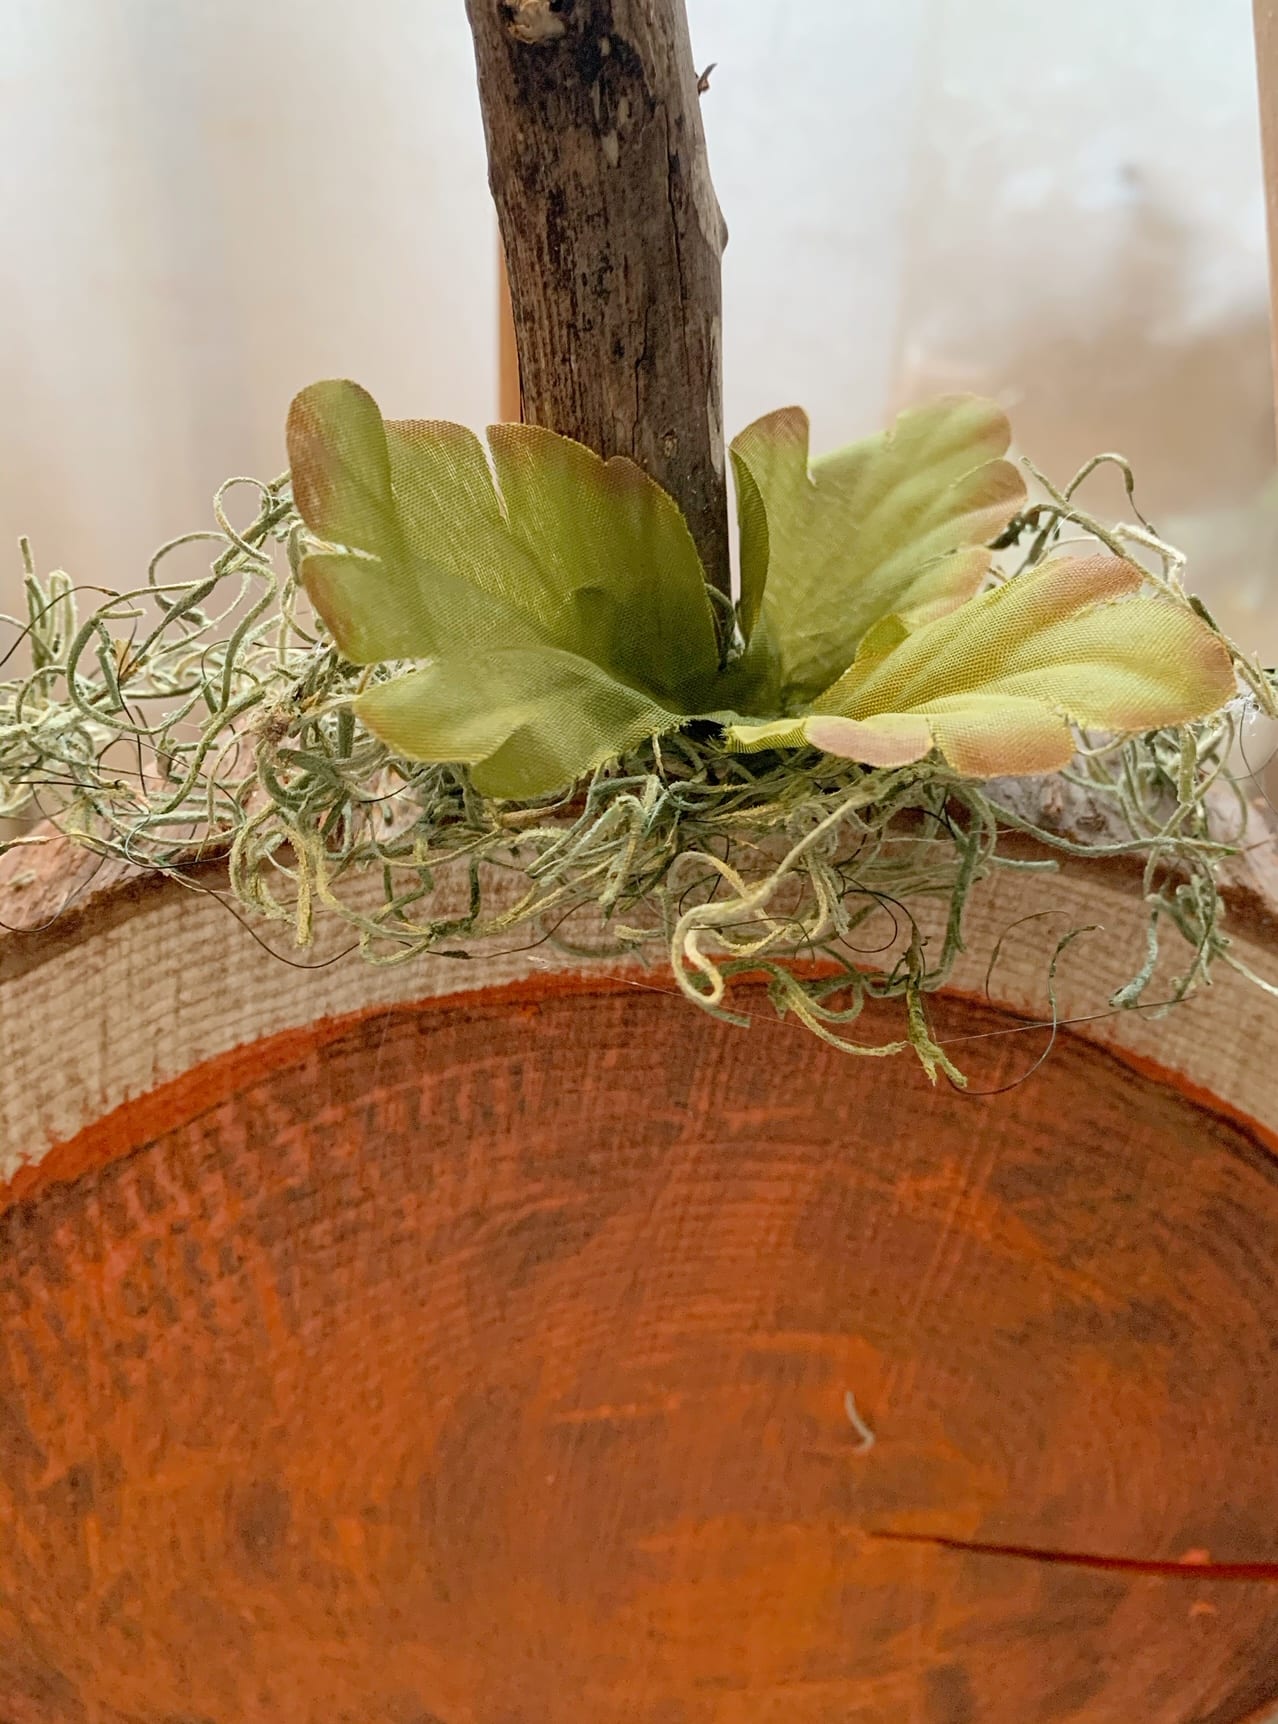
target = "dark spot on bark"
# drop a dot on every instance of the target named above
(949, 1695)
(29, 1683)
(1151, 1321)
(408, 1710)
(72, 1494)
(1254, 1692)
(1071, 1697)
(118, 1604)
(524, 1247)
(558, 228)
(24, 1458)
(229, 1259)
(152, 1196)
(262, 1516)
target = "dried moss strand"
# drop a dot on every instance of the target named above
(208, 715)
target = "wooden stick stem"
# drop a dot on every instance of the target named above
(612, 235)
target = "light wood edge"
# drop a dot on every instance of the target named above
(143, 979)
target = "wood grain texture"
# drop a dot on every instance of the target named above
(488, 1361)
(187, 982)
(470, 1342)
(613, 236)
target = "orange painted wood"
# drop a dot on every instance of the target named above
(488, 1360)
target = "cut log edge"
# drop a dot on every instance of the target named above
(185, 982)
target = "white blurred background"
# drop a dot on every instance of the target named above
(208, 203)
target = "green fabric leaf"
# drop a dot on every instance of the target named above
(756, 549)
(894, 524)
(416, 529)
(529, 721)
(995, 684)
(557, 608)
(428, 554)
(616, 549)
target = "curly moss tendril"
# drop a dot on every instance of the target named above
(206, 717)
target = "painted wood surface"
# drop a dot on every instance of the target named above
(414, 1371)
(549, 1351)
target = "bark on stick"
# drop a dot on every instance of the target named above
(613, 236)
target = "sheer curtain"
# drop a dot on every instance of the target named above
(208, 203)
(1058, 205)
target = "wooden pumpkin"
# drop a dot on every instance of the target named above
(496, 1341)
(501, 1339)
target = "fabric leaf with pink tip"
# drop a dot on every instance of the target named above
(996, 685)
(897, 523)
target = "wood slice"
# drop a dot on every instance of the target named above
(502, 1340)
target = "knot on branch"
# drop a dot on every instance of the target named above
(534, 21)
